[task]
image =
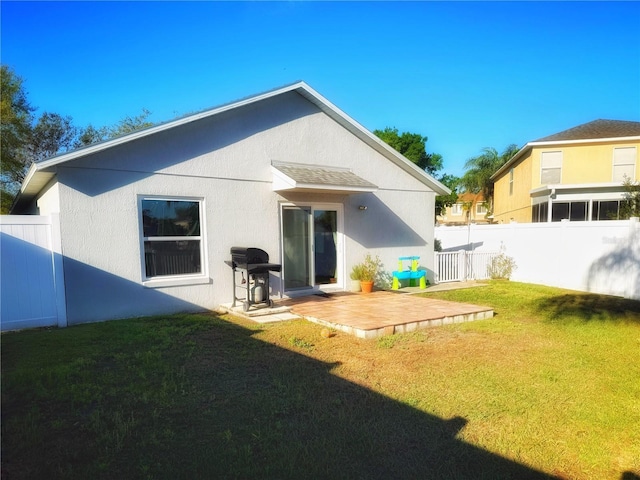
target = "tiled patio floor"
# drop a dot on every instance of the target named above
(382, 313)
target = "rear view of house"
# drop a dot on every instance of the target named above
(576, 174)
(147, 220)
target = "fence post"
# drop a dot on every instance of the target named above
(58, 270)
(462, 266)
(632, 288)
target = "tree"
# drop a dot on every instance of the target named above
(26, 140)
(444, 201)
(477, 178)
(412, 146)
(630, 206)
(91, 134)
(51, 134)
(16, 115)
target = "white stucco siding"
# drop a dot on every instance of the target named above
(103, 253)
(48, 201)
(395, 224)
(241, 144)
(226, 161)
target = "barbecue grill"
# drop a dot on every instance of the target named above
(255, 263)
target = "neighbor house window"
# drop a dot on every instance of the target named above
(481, 209)
(573, 211)
(540, 212)
(511, 182)
(605, 210)
(559, 211)
(551, 168)
(171, 237)
(456, 209)
(624, 163)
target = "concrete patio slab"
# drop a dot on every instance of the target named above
(370, 315)
(261, 314)
(382, 313)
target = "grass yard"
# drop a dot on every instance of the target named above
(549, 388)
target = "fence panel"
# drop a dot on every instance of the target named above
(592, 256)
(478, 264)
(31, 289)
(462, 266)
(447, 267)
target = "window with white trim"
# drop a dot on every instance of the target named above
(171, 237)
(624, 163)
(550, 168)
(605, 210)
(481, 208)
(540, 212)
(511, 181)
(456, 209)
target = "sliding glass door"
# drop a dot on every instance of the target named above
(325, 246)
(311, 244)
(296, 237)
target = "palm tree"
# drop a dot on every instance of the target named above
(477, 178)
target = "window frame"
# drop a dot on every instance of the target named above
(632, 163)
(596, 210)
(548, 168)
(481, 208)
(457, 212)
(511, 181)
(180, 279)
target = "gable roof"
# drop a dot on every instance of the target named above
(597, 130)
(42, 172)
(470, 197)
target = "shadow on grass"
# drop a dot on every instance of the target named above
(202, 398)
(267, 412)
(629, 476)
(589, 307)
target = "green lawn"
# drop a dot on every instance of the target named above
(549, 388)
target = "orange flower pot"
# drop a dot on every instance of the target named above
(367, 287)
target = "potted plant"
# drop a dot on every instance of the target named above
(356, 276)
(370, 268)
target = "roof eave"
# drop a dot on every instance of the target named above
(368, 137)
(558, 143)
(520, 153)
(301, 88)
(552, 143)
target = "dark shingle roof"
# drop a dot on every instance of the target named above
(596, 129)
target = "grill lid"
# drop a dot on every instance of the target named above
(246, 255)
(254, 260)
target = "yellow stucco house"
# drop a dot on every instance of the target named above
(576, 174)
(469, 208)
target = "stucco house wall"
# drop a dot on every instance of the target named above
(514, 205)
(224, 160)
(587, 171)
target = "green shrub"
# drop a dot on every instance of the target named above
(502, 266)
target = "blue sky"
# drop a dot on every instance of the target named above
(467, 75)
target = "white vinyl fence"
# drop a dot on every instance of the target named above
(462, 266)
(599, 257)
(32, 290)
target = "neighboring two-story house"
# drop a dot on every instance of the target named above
(469, 208)
(577, 174)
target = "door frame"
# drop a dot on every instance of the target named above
(340, 247)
